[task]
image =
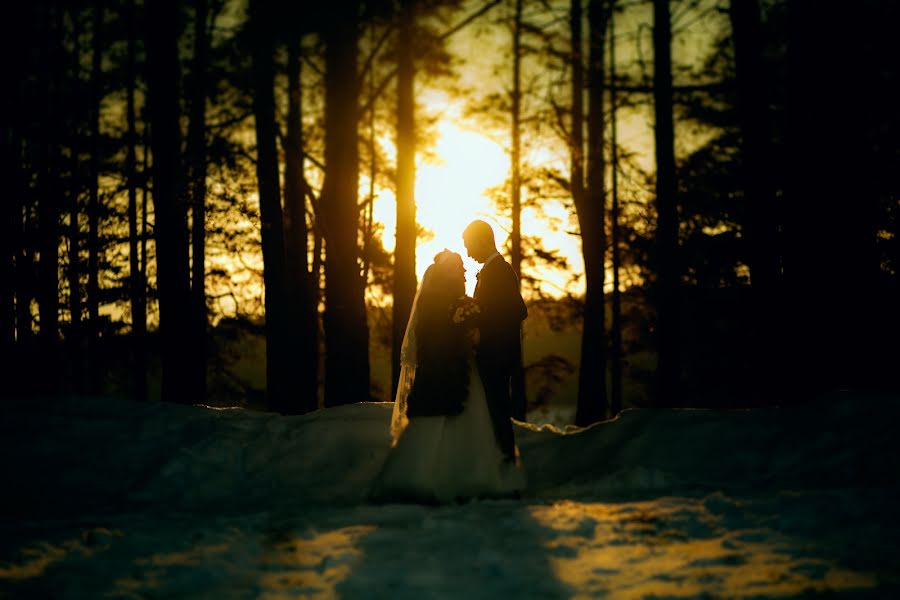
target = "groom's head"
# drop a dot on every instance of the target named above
(479, 240)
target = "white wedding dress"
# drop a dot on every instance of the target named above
(441, 459)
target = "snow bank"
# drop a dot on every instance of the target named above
(102, 455)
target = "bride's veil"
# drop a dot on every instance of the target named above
(399, 420)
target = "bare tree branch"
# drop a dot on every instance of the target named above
(379, 89)
(367, 64)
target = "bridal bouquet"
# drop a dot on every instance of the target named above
(465, 311)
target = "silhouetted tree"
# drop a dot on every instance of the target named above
(761, 224)
(18, 118)
(592, 397)
(839, 325)
(346, 331)
(752, 103)
(517, 383)
(405, 245)
(197, 159)
(667, 286)
(262, 27)
(136, 283)
(615, 357)
(73, 272)
(94, 208)
(50, 200)
(11, 173)
(303, 315)
(171, 231)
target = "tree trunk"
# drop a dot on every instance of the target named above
(11, 173)
(761, 230)
(10, 208)
(405, 245)
(592, 398)
(135, 279)
(318, 262)
(840, 330)
(515, 152)
(145, 195)
(8, 237)
(172, 256)
(517, 383)
(74, 337)
(346, 331)
(761, 224)
(668, 373)
(197, 154)
(24, 267)
(93, 241)
(369, 216)
(616, 329)
(277, 366)
(24, 131)
(49, 203)
(303, 324)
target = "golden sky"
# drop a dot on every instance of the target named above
(473, 156)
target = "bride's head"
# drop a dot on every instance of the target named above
(447, 275)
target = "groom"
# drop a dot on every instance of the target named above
(502, 313)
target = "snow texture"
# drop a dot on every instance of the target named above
(119, 499)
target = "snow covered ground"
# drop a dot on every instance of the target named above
(108, 498)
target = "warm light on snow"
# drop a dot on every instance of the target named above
(317, 561)
(129, 499)
(678, 547)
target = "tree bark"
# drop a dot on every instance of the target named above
(93, 241)
(616, 328)
(515, 151)
(761, 224)
(277, 366)
(303, 325)
(171, 231)
(10, 209)
(668, 374)
(145, 195)
(368, 212)
(136, 287)
(517, 382)
(8, 235)
(12, 169)
(752, 102)
(24, 269)
(74, 336)
(841, 319)
(592, 397)
(346, 330)
(405, 245)
(197, 154)
(19, 119)
(49, 203)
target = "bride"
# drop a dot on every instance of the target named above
(443, 446)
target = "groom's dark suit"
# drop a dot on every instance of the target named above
(502, 313)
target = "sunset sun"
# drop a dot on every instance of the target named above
(450, 193)
(452, 190)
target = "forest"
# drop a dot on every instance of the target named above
(220, 202)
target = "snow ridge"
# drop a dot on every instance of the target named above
(100, 454)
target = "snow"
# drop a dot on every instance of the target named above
(114, 498)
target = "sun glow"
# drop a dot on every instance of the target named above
(449, 194)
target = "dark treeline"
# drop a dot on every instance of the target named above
(155, 153)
